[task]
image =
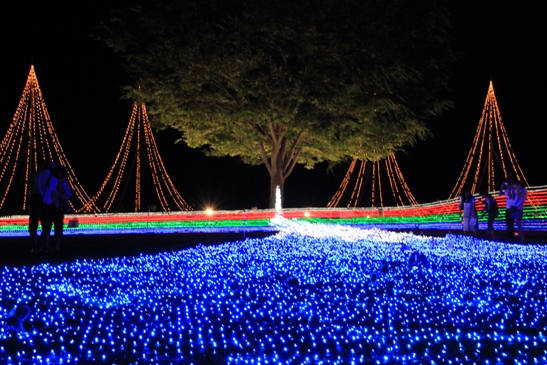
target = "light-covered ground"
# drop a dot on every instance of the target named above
(312, 294)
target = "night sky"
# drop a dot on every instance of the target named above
(80, 80)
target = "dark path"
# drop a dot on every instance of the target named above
(15, 251)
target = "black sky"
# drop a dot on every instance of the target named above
(80, 80)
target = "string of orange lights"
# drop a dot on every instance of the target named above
(485, 152)
(139, 136)
(31, 139)
(406, 190)
(335, 200)
(161, 178)
(399, 188)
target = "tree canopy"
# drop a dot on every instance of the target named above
(286, 82)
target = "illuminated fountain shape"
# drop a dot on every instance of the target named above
(278, 219)
(278, 207)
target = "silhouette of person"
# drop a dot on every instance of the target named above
(34, 207)
(508, 189)
(42, 184)
(61, 204)
(517, 209)
(492, 210)
(469, 216)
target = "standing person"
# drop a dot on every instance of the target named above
(490, 208)
(61, 204)
(469, 216)
(508, 189)
(42, 184)
(34, 208)
(520, 195)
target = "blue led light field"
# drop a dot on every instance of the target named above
(311, 294)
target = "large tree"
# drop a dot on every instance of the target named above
(286, 82)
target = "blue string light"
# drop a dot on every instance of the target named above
(312, 294)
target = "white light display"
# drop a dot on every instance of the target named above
(278, 206)
(312, 294)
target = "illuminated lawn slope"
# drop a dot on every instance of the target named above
(442, 215)
(310, 294)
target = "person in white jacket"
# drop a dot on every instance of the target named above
(508, 189)
(469, 213)
(517, 209)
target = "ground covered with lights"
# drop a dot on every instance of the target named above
(312, 294)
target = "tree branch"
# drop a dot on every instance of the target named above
(264, 157)
(259, 130)
(273, 132)
(293, 161)
(220, 86)
(294, 152)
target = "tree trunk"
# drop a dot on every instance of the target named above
(275, 181)
(283, 156)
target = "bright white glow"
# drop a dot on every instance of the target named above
(278, 220)
(278, 206)
(209, 211)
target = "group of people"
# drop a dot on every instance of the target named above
(49, 194)
(515, 196)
